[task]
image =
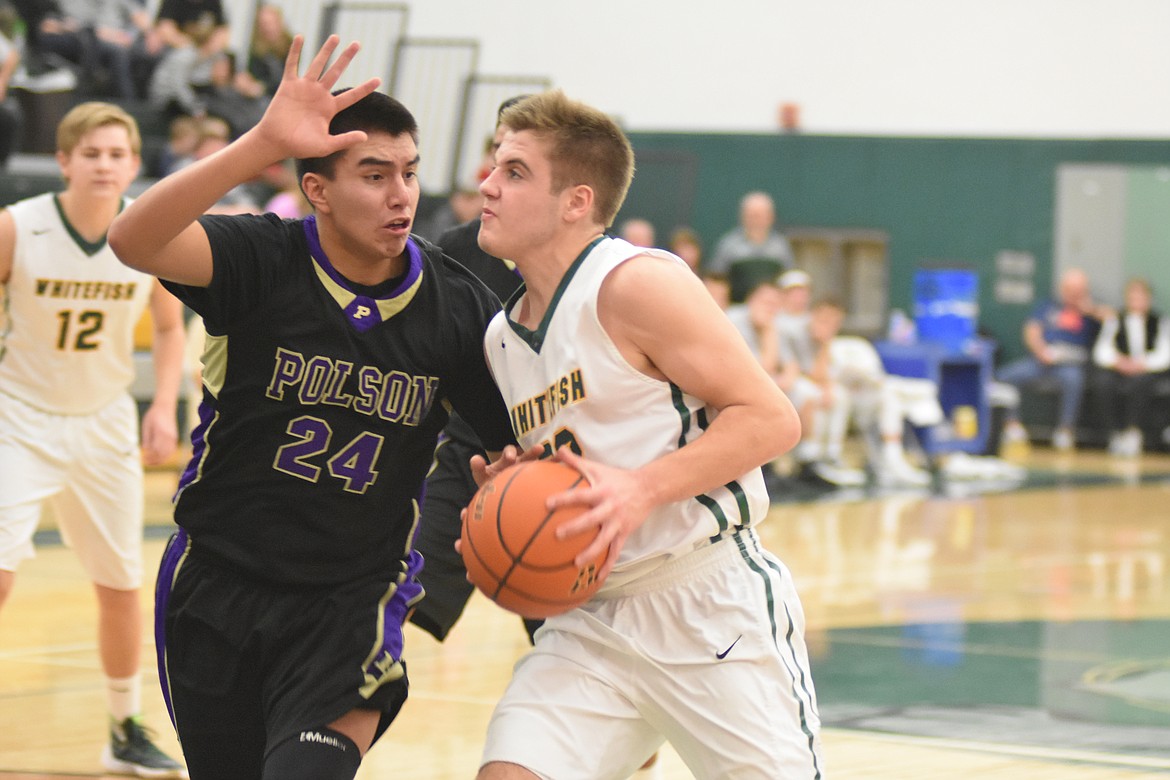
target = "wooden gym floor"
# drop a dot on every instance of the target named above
(968, 631)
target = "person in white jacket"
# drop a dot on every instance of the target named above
(1132, 349)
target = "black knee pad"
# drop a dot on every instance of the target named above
(313, 754)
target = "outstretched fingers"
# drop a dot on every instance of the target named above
(330, 77)
(351, 96)
(293, 60)
(321, 58)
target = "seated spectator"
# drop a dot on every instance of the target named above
(462, 205)
(795, 299)
(1059, 335)
(176, 19)
(1133, 348)
(271, 40)
(637, 231)
(820, 453)
(182, 137)
(755, 319)
(11, 117)
(880, 406)
(99, 37)
(234, 95)
(754, 250)
(685, 243)
(183, 78)
(856, 390)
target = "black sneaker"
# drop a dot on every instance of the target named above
(131, 752)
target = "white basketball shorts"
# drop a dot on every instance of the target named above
(88, 468)
(706, 652)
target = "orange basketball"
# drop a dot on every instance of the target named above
(509, 542)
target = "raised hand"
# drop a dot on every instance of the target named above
(296, 122)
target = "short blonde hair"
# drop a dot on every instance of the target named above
(86, 117)
(587, 147)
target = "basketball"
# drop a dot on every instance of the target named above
(509, 543)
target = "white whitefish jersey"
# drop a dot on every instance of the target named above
(68, 315)
(566, 383)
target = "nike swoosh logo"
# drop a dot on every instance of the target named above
(723, 655)
(40, 232)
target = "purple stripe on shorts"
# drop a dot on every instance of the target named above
(176, 549)
(408, 592)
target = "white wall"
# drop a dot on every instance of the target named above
(1034, 68)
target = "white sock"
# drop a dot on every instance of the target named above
(892, 451)
(124, 696)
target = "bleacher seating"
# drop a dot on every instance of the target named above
(1038, 413)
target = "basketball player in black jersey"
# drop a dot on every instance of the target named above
(334, 345)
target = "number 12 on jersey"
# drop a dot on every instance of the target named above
(79, 334)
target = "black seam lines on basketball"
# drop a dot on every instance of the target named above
(535, 533)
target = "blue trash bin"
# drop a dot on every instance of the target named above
(946, 307)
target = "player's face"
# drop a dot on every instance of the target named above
(102, 164)
(372, 197)
(520, 211)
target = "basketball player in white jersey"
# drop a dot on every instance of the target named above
(616, 358)
(68, 426)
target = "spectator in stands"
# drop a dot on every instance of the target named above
(176, 19)
(755, 249)
(461, 206)
(182, 138)
(198, 80)
(289, 202)
(11, 118)
(685, 243)
(1132, 350)
(819, 454)
(271, 40)
(795, 299)
(638, 231)
(235, 95)
(755, 321)
(1059, 335)
(237, 200)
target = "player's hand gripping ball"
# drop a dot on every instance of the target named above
(509, 543)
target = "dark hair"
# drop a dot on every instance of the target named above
(375, 113)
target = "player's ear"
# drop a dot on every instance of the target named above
(578, 202)
(313, 185)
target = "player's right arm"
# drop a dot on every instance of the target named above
(159, 234)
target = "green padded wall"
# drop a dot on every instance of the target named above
(939, 199)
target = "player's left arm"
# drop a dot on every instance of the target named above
(160, 434)
(666, 325)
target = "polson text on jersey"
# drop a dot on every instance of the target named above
(394, 396)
